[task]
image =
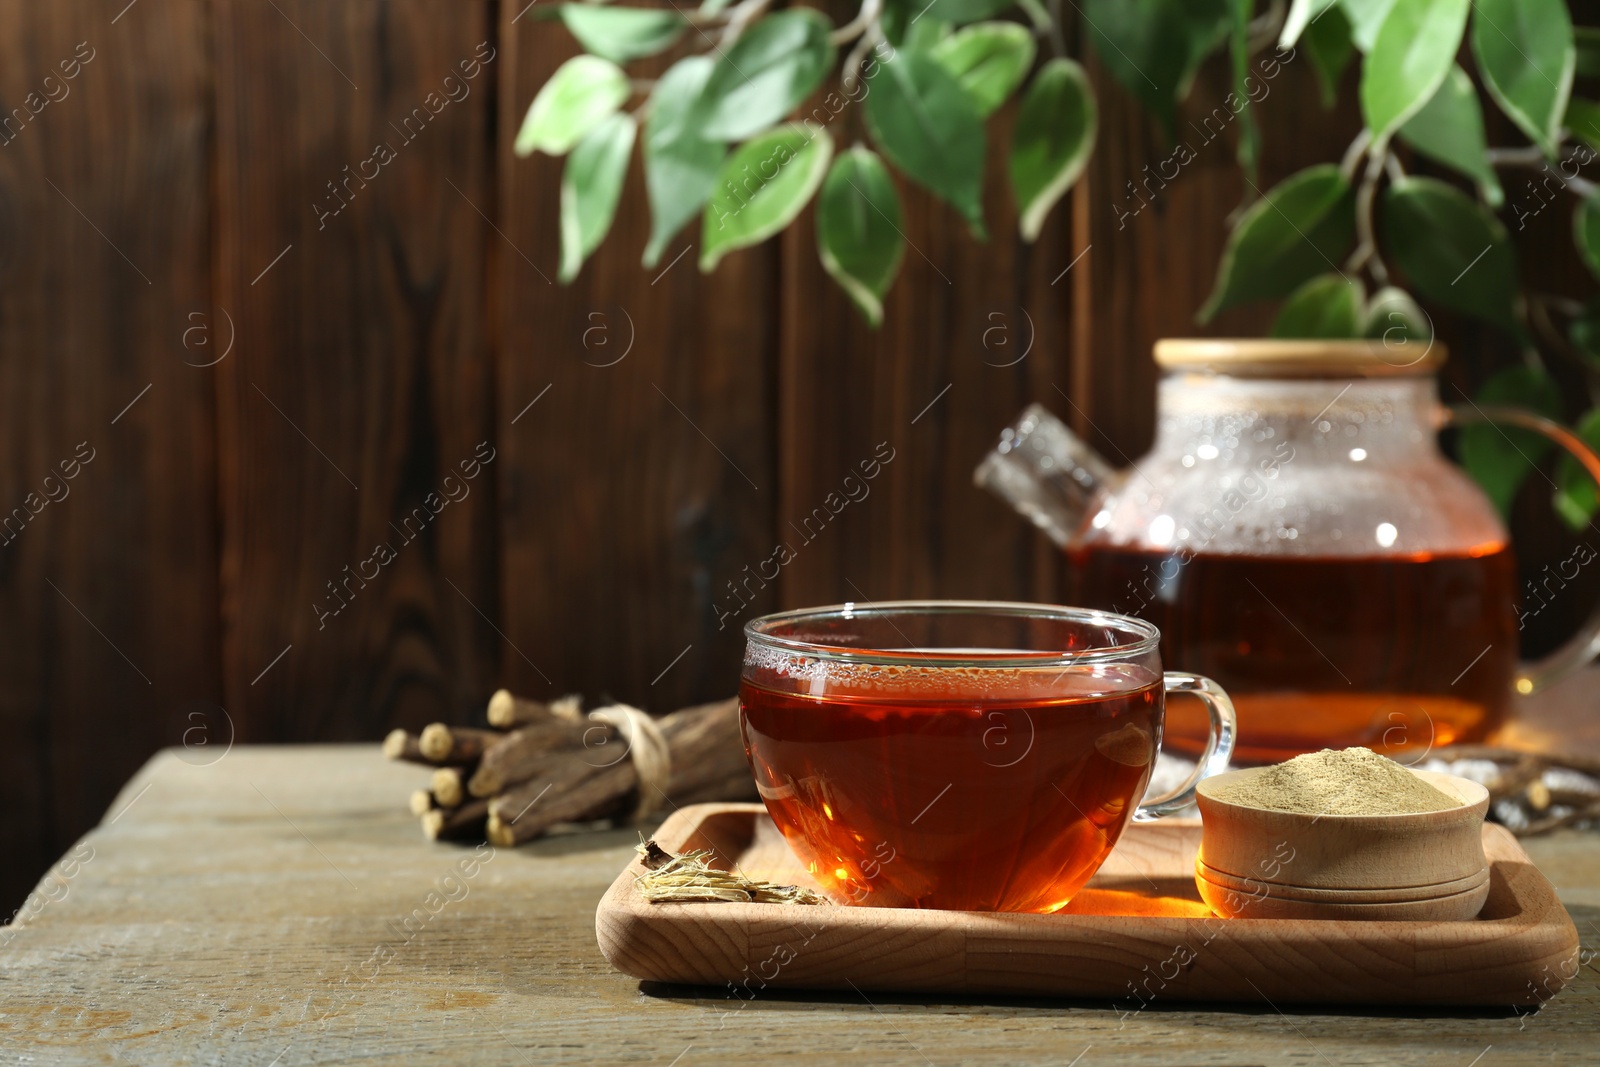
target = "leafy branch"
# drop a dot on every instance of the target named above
(740, 131)
(1449, 245)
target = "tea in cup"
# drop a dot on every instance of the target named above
(958, 755)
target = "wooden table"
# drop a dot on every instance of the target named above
(280, 907)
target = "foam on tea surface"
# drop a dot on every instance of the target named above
(823, 676)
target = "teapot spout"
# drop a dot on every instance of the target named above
(1046, 472)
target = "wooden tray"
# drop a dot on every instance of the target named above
(1138, 932)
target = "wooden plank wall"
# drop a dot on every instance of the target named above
(329, 332)
(350, 251)
(109, 593)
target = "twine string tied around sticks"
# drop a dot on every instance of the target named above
(647, 747)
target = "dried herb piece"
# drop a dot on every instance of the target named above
(690, 879)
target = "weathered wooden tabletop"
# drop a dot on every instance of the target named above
(280, 907)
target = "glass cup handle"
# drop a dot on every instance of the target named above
(1219, 746)
(1582, 647)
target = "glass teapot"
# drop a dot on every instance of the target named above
(1297, 535)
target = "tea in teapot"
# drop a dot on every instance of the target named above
(1296, 534)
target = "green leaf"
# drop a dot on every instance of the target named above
(710, 7)
(591, 184)
(1583, 120)
(924, 33)
(1576, 499)
(958, 12)
(762, 188)
(1587, 41)
(858, 229)
(770, 69)
(1449, 129)
(897, 24)
(1302, 13)
(1301, 228)
(1052, 141)
(1526, 56)
(1395, 319)
(1501, 457)
(989, 59)
(1365, 17)
(582, 91)
(1414, 50)
(1153, 47)
(929, 127)
(1586, 233)
(1329, 305)
(1327, 44)
(621, 34)
(1584, 332)
(680, 166)
(1452, 249)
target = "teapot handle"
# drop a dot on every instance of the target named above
(1585, 644)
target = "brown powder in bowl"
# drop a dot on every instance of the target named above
(1352, 781)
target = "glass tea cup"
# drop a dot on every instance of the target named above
(961, 755)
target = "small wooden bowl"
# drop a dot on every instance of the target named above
(1435, 855)
(1310, 895)
(1270, 902)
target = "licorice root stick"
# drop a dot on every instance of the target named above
(445, 824)
(456, 745)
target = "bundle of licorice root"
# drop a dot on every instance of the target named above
(1529, 794)
(540, 764)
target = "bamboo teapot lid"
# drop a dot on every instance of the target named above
(1267, 357)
